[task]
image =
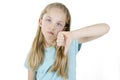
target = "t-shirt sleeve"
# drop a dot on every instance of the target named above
(75, 47)
(79, 46)
(26, 64)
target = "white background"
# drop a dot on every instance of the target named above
(97, 60)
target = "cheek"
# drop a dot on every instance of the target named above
(44, 28)
(44, 25)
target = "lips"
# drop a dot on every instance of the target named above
(51, 33)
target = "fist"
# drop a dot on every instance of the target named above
(64, 39)
(60, 39)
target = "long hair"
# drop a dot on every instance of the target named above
(36, 56)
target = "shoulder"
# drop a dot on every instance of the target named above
(75, 46)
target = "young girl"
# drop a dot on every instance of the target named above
(53, 52)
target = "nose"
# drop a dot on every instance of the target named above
(52, 26)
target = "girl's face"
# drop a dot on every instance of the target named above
(52, 23)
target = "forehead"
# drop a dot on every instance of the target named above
(56, 13)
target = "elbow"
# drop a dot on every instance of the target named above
(106, 28)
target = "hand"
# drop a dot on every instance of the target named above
(64, 39)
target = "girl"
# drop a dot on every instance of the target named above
(53, 52)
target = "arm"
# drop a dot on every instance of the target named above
(31, 75)
(83, 35)
(90, 32)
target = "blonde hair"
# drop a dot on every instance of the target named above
(36, 56)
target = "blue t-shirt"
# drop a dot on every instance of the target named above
(42, 71)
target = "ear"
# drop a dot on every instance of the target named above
(40, 22)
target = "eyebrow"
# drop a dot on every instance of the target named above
(58, 21)
(48, 16)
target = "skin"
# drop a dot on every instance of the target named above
(83, 35)
(53, 25)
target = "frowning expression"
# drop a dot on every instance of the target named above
(52, 23)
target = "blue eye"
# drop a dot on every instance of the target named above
(49, 20)
(58, 24)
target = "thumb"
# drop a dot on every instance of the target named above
(67, 41)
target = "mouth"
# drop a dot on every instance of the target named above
(51, 33)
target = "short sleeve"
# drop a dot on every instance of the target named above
(75, 47)
(26, 64)
(73, 50)
(79, 46)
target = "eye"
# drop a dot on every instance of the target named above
(59, 24)
(48, 20)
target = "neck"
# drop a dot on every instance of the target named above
(50, 43)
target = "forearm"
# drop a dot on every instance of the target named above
(31, 75)
(95, 30)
